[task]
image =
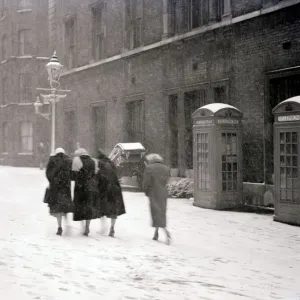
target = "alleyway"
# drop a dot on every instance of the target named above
(214, 255)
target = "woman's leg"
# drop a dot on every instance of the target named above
(155, 237)
(59, 221)
(168, 235)
(87, 227)
(112, 226)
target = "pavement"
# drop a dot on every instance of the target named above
(214, 254)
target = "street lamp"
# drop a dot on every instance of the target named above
(54, 68)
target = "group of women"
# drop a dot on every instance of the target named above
(97, 191)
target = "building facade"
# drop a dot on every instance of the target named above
(24, 53)
(138, 69)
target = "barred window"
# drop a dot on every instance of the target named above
(26, 137)
(24, 42)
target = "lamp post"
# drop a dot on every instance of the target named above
(54, 68)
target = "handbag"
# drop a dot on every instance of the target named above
(47, 196)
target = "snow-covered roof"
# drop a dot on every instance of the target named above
(214, 107)
(295, 99)
(131, 146)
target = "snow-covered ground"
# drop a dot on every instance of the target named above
(214, 255)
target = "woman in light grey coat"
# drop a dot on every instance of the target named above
(156, 177)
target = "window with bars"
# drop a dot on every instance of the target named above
(26, 137)
(229, 161)
(135, 121)
(25, 84)
(289, 167)
(4, 91)
(3, 47)
(5, 137)
(133, 23)
(24, 42)
(99, 32)
(70, 42)
(204, 182)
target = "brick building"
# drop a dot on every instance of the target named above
(23, 55)
(138, 69)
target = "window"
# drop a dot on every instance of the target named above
(70, 131)
(3, 47)
(133, 20)
(25, 83)
(5, 137)
(173, 126)
(289, 167)
(203, 162)
(229, 161)
(3, 5)
(25, 4)
(99, 126)
(135, 121)
(220, 94)
(98, 41)
(70, 42)
(192, 101)
(24, 42)
(223, 8)
(26, 137)
(198, 13)
(4, 91)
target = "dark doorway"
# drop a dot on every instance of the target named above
(70, 131)
(135, 121)
(192, 101)
(99, 127)
(281, 89)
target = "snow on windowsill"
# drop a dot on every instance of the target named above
(24, 10)
(25, 153)
(4, 153)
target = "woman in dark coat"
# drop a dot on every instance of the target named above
(58, 173)
(85, 191)
(156, 177)
(110, 192)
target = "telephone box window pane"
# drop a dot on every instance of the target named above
(289, 167)
(229, 161)
(202, 161)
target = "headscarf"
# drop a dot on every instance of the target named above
(77, 163)
(59, 150)
(154, 158)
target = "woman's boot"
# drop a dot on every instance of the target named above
(112, 232)
(155, 237)
(59, 231)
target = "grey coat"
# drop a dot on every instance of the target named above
(155, 180)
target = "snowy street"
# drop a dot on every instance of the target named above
(214, 255)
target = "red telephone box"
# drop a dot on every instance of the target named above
(218, 182)
(286, 161)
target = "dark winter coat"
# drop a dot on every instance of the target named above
(156, 177)
(85, 195)
(110, 192)
(58, 173)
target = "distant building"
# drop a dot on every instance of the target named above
(24, 48)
